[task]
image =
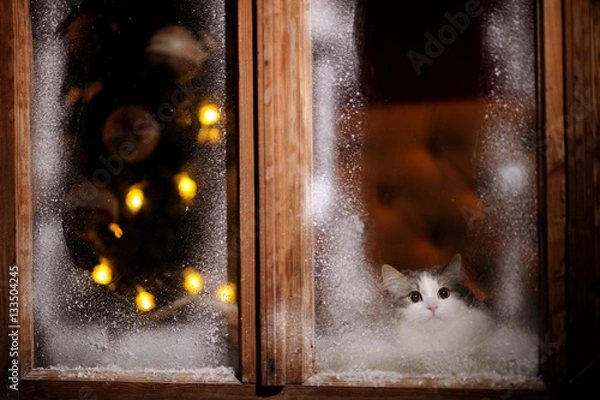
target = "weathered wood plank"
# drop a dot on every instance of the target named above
(117, 390)
(285, 153)
(553, 190)
(582, 121)
(247, 204)
(86, 389)
(15, 202)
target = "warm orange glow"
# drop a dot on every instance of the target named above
(209, 135)
(186, 186)
(208, 114)
(226, 293)
(102, 273)
(116, 229)
(144, 300)
(134, 199)
(192, 281)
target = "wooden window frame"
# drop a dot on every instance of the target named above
(16, 218)
(275, 131)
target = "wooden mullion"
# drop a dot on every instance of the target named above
(269, 346)
(15, 202)
(285, 156)
(552, 147)
(248, 340)
(582, 117)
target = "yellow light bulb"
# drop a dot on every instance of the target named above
(226, 293)
(144, 300)
(116, 229)
(186, 186)
(192, 281)
(209, 114)
(134, 199)
(102, 273)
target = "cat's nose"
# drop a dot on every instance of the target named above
(432, 307)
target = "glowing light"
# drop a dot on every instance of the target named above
(192, 281)
(102, 273)
(116, 229)
(134, 199)
(209, 135)
(208, 114)
(186, 186)
(144, 300)
(226, 293)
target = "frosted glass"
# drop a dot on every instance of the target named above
(425, 146)
(133, 267)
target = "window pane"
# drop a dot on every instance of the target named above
(425, 148)
(133, 160)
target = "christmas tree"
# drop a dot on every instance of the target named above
(146, 125)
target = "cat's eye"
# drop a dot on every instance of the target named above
(443, 293)
(415, 297)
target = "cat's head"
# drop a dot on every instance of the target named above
(428, 295)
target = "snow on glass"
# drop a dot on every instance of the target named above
(79, 323)
(352, 338)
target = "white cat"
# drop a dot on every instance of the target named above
(436, 326)
(434, 311)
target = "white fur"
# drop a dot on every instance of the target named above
(445, 337)
(451, 326)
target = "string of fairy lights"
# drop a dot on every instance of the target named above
(144, 121)
(192, 280)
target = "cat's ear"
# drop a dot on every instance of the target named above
(454, 269)
(393, 280)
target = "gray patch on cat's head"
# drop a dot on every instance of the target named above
(395, 284)
(451, 275)
(453, 271)
(398, 285)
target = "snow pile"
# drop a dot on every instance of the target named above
(509, 352)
